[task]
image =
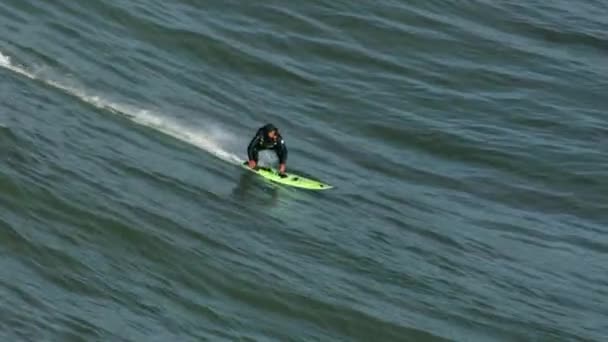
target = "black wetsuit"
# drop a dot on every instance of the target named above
(261, 141)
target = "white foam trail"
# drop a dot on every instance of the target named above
(5, 62)
(169, 126)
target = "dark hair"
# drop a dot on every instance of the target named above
(269, 128)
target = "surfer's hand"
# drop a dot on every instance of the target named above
(252, 164)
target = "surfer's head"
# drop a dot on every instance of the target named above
(271, 131)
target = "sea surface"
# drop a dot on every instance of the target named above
(467, 143)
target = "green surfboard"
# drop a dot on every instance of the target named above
(290, 179)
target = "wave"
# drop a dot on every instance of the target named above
(205, 139)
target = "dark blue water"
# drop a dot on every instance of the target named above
(466, 143)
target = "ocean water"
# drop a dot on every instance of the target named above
(466, 143)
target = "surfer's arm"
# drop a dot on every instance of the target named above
(281, 151)
(252, 149)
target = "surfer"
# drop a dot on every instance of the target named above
(268, 138)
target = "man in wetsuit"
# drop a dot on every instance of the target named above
(268, 138)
